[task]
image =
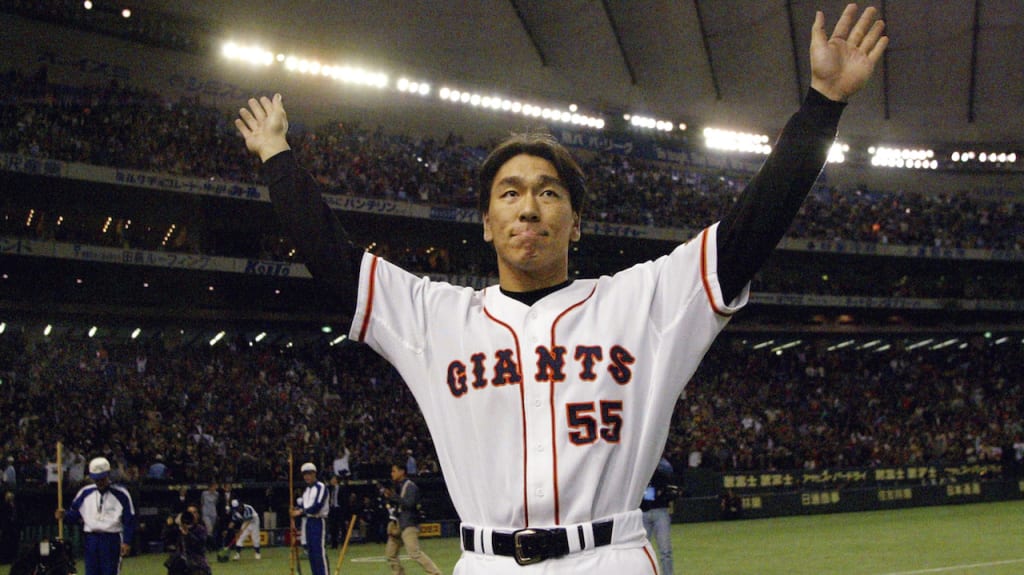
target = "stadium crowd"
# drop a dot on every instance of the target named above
(231, 412)
(132, 128)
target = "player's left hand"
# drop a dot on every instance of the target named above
(125, 549)
(843, 63)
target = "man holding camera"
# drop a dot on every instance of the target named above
(404, 523)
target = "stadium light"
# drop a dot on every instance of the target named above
(907, 158)
(779, 349)
(837, 153)
(944, 344)
(732, 141)
(921, 343)
(638, 121)
(255, 55)
(969, 157)
(502, 104)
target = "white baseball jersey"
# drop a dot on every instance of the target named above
(555, 413)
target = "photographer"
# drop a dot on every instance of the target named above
(403, 502)
(190, 556)
(656, 507)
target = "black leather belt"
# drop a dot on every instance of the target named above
(531, 545)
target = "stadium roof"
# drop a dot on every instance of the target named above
(953, 71)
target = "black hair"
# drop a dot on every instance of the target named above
(541, 145)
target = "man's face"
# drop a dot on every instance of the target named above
(310, 477)
(531, 223)
(397, 473)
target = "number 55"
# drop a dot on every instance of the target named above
(585, 426)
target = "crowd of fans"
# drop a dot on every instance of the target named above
(816, 408)
(226, 413)
(131, 128)
(231, 412)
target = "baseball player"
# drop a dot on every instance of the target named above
(550, 398)
(247, 524)
(313, 508)
(107, 514)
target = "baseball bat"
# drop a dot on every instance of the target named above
(60, 489)
(238, 533)
(344, 546)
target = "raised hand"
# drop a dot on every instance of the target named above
(264, 126)
(843, 63)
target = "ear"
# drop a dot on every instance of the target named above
(488, 234)
(576, 232)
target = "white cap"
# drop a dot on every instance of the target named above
(234, 503)
(99, 468)
(306, 467)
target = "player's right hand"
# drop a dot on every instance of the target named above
(264, 125)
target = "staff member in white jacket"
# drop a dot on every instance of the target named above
(108, 517)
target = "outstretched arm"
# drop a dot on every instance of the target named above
(840, 66)
(305, 218)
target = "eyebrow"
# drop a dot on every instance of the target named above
(519, 182)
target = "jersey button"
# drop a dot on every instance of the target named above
(539, 493)
(540, 447)
(538, 402)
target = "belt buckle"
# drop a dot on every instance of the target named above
(531, 545)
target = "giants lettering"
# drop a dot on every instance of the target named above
(550, 367)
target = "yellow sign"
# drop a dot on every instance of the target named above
(430, 529)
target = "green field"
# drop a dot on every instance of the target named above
(976, 539)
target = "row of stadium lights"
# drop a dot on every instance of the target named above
(925, 158)
(217, 338)
(715, 139)
(777, 348)
(879, 346)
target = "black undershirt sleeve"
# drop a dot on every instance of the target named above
(313, 228)
(764, 211)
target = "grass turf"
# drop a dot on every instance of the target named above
(973, 539)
